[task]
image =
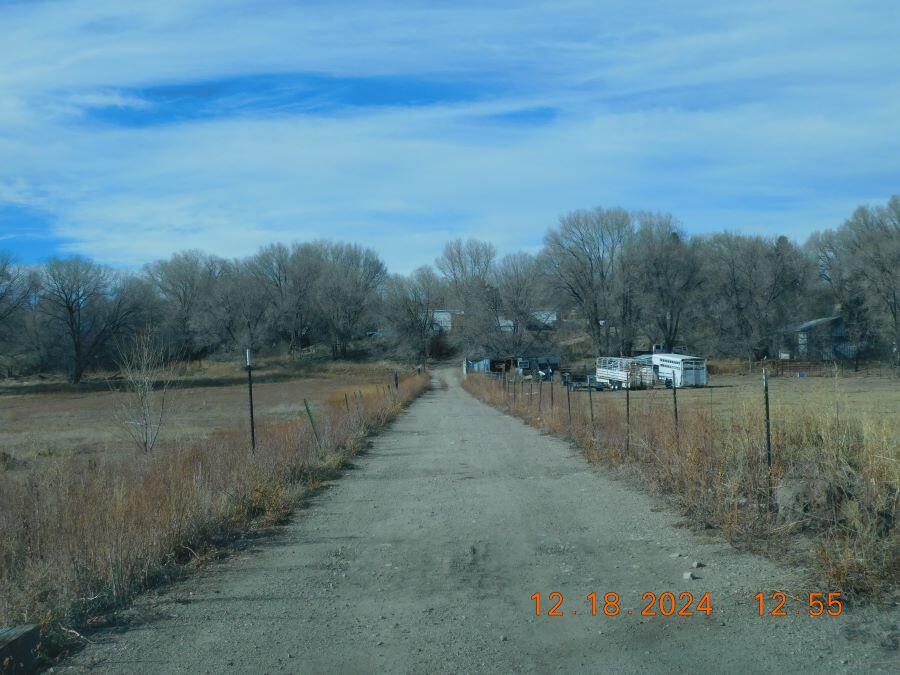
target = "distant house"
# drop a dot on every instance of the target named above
(446, 320)
(522, 365)
(822, 339)
(485, 364)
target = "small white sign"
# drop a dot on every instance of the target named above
(249, 358)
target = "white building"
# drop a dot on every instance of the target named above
(443, 319)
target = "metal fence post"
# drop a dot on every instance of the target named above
(250, 392)
(768, 429)
(591, 403)
(627, 419)
(675, 404)
(346, 402)
(569, 402)
(312, 424)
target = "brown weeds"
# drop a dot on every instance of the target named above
(86, 534)
(835, 473)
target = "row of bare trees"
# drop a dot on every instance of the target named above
(72, 314)
(626, 278)
(637, 278)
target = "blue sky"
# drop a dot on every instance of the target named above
(129, 131)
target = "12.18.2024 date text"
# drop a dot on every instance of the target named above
(609, 604)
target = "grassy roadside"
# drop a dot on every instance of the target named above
(835, 478)
(86, 535)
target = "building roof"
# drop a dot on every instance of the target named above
(809, 325)
(678, 357)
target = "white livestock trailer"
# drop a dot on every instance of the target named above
(680, 370)
(623, 373)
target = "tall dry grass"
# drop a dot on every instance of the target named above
(87, 534)
(835, 473)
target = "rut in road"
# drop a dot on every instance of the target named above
(425, 558)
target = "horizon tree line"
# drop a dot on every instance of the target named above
(627, 278)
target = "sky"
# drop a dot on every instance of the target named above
(132, 130)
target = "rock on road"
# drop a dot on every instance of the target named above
(424, 558)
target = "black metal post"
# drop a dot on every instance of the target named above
(675, 404)
(346, 402)
(627, 419)
(312, 424)
(250, 393)
(768, 429)
(591, 402)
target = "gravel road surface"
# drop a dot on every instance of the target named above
(425, 556)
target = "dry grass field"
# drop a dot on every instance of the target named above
(834, 478)
(875, 397)
(41, 421)
(87, 521)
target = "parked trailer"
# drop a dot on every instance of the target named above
(624, 373)
(680, 370)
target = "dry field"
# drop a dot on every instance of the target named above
(83, 532)
(874, 397)
(833, 489)
(37, 425)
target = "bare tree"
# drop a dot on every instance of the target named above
(17, 288)
(17, 284)
(411, 302)
(755, 285)
(143, 408)
(89, 302)
(670, 274)
(872, 241)
(351, 277)
(181, 281)
(288, 277)
(582, 257)
(467, 267)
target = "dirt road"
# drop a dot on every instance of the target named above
(425, 558)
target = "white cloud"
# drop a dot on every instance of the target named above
(716, 115)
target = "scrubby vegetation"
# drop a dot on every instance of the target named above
(83, 535)
(835, 475)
